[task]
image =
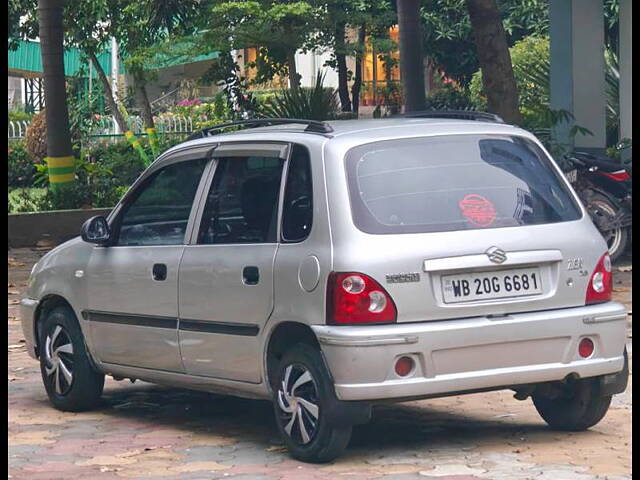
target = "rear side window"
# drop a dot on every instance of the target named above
(457, 182)
(242, 204)
(297, 212)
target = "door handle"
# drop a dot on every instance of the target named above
(250, 275)
(159, 271)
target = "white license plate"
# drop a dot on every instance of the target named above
(572, 175)
(470, 287)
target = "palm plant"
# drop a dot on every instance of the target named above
(547, 118)
(315, 103)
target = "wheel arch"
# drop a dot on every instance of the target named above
(281, 337)
(47, 304)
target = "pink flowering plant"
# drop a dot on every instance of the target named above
(203, 114)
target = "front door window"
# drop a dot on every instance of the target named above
(159, 211)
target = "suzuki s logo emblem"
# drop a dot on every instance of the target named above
(496, 255)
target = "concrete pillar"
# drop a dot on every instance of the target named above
(625, 61)
(577, 69)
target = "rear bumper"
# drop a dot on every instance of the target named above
(473, 353)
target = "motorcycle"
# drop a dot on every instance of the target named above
(604, 187)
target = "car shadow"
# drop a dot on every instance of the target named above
(393, 426)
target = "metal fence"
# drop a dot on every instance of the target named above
(17, 129)
(104, 128)
(165, 124)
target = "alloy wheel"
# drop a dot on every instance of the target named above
(298, 404)
(58, 351)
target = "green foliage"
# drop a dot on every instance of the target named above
(543, 130)
(391, 94)
(616, 150)
(23, 200)
(531, 67)
(449, 97)
(20, 166)
(69, 196)
(103, 175)
(612, 91)
(82, 111)
(530, 60)
(203, 114)
(448, 40)
(621, 151)
(226, 73)
(317, 103)
(264, 96)
(108, 171)
(18, 115)
(276, 26)
(22, 21)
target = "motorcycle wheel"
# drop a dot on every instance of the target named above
(601, 208)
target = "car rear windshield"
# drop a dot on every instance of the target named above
(454, 182)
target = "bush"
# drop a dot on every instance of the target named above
(28, 200)
(105, 169)
(103, 175)
(449, 97)
(262, 97)
(19, 116)
(20, 168)
(109, 170)
(204, 114)
(36, 137)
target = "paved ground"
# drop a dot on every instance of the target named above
(148, 432)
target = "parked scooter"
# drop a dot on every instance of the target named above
(604, 186)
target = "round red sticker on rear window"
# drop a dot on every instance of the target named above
(477, 210)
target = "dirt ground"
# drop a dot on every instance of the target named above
(152, 432)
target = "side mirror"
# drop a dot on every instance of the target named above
(96, 230)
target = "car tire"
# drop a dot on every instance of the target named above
(71, 381)
(579, 408)
(599, 207)
(303, 396)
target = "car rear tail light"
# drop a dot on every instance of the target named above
(355, 298)
(601, 282)
(585, 347)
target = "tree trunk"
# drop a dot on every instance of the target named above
(146, 113)
(357, 80)
(411, 56)
(108, 93)
(143, 101)
(59, 152)
(495, 61)
(294, 77)
(341, 61)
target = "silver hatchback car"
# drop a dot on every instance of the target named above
(330, 266)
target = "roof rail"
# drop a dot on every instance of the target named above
(312, 126)
(455, 114)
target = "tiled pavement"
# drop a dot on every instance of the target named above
(151, 432)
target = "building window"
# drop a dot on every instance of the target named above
(378, 77)
(34, 94)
